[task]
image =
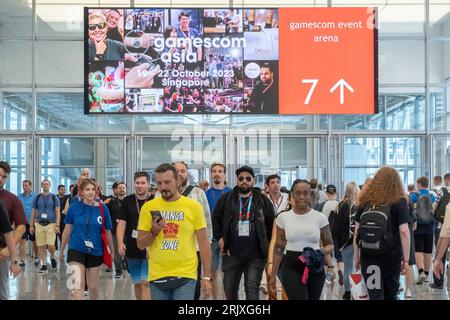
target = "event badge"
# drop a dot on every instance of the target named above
(244, 228)
(43, 216)
(134, 234)
(89, 244)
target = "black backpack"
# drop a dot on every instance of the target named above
(424, 210)
(439, 212)
(376, 234)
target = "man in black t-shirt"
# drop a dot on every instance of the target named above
(114, 204)
(127, 233)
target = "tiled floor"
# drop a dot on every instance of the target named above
(53, 286)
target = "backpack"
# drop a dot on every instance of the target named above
(376, 234)
(439, 212)
(53, 198)
(424, 210)
(314, 198)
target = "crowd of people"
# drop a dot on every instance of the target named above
(182, 241)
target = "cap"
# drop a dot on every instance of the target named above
(330, 189)
(245, 169)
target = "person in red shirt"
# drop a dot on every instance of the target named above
(17, 218)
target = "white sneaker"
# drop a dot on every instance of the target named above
(408, 294)
(421, 278)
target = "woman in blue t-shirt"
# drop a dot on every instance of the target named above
(83, 234)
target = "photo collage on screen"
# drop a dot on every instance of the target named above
(183, 60)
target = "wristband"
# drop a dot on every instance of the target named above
(207, 278)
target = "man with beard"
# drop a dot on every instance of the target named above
(242, 221)
(114, 204)
(217, 190)
(195, 193)
(265, 94)
(169, 228)
(127, 233)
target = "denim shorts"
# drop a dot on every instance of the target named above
(138, 270)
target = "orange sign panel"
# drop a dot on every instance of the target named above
(328, 61)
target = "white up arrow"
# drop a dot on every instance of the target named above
(341, 84)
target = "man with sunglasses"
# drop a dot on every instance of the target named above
(101, 48)
(242, 221)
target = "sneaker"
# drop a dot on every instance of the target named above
(408, 294)
(86, 293)
(43, 269)
(36, 262)
(54, 263)
(436, 286)
(421, 278)
(108, 270)
(22, 263)
(119, 275)
(346, 295)
(427, 278)
(340, 277)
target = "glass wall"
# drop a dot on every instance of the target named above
(41, 102)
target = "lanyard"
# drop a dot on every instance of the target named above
(46, 201)
(138, 207)
(241, 207)
(87, 218)
(276, 206)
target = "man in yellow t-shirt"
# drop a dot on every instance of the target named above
(169, 228)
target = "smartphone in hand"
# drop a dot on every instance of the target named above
(156, 215)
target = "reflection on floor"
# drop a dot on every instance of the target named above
(53, 286)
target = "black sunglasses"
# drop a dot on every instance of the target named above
(248, 178)
(100, 25)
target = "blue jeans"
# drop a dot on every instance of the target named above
(233, 268)
(347, 255)
(216, 256)
(138, 269)
(184, 292)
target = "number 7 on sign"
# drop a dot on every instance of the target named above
(311, 90)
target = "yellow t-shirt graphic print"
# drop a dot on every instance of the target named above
(173, 252)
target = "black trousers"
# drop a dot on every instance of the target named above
(291, 279)
(382, 275)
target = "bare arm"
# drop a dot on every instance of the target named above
(11, 244)
(66, 207)
(145, 238)
(327, 241)
(205, 251)
(110, 243)
(404, 238)
(278, 250)
(58, 218)
(442, 248)
(65, 239)
(271, 249)
(120, 233)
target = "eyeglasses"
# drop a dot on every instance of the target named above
(100, 25)
(248, 178)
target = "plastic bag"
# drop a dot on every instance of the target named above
(358, 287)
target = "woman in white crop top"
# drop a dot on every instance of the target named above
(299, 228)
